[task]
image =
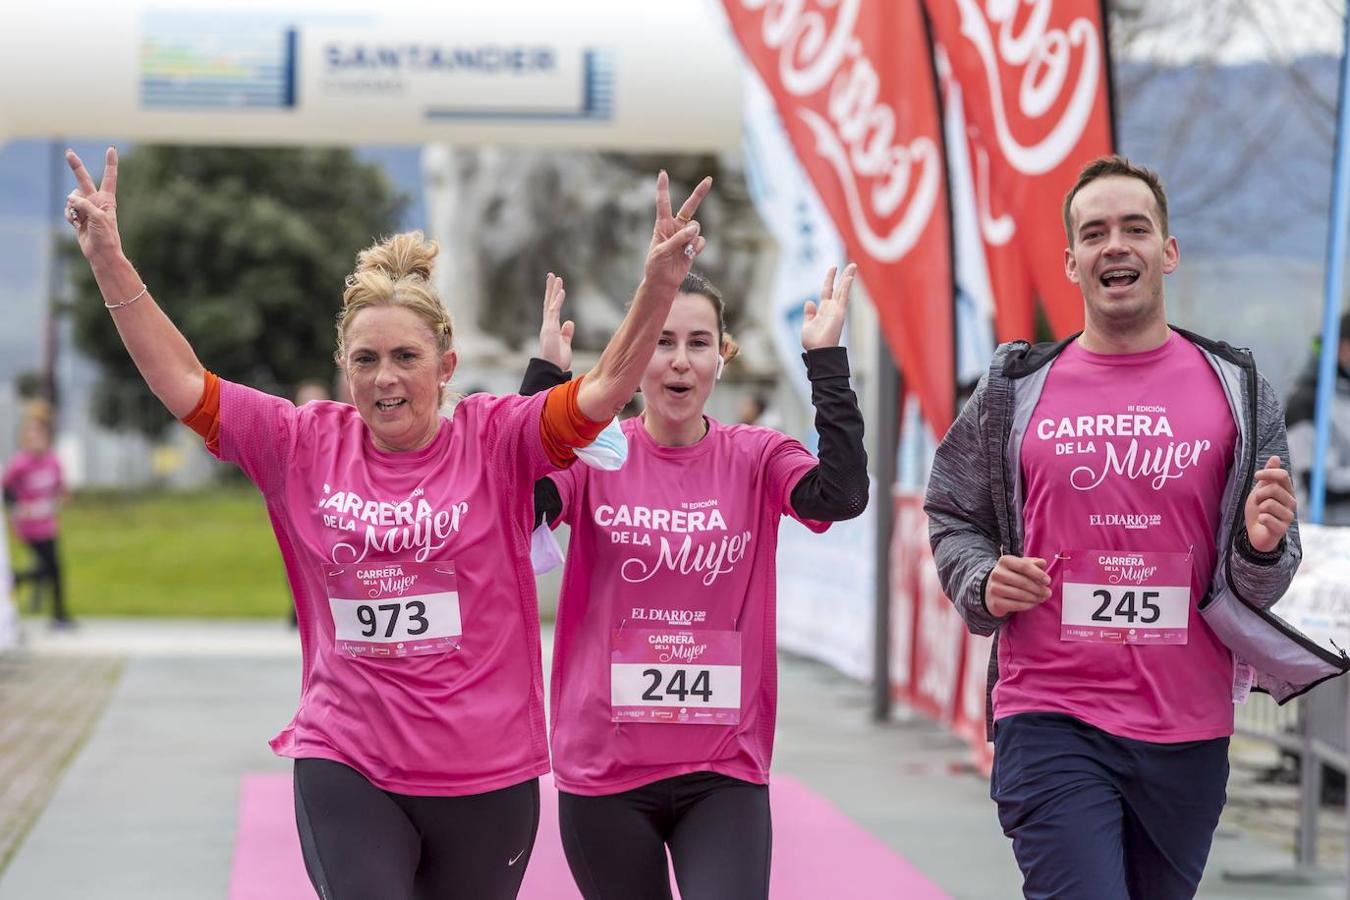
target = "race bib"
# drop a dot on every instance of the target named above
(676, 676)
(1126, 597)
(1244, 676)
(393, 609)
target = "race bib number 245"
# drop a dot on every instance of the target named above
(1126, 597)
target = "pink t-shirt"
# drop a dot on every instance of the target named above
(1126, 453)
(681, 539)
(439, 538)
(35, 481)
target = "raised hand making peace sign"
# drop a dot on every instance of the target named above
(675, 238)
(93, 210)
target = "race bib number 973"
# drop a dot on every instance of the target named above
(1126, 597)
(394, 609)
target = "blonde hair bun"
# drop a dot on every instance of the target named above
(404, 255)
(395, 272)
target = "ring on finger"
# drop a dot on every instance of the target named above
(682, 218)
(689, 250)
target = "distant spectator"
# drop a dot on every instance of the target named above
(311, 390)
(1299, 418)
(34, 488)
(755, 410)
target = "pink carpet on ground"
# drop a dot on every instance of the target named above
(818, 851)
(267, 862)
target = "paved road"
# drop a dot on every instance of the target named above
(146, 809)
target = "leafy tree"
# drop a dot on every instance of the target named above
(246, 251)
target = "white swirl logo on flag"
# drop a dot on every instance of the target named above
(879, 178)
(1044, 55)
(997, 230)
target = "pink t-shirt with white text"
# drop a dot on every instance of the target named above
(680, 536)
(35, 481)
(464, 719)
(1125, 453)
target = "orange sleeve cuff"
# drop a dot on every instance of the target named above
(205, 419)
(563, 427)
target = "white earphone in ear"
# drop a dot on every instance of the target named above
(721, 364)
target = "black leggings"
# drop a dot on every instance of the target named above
(46, 572)
(364, 843)
(718, 829)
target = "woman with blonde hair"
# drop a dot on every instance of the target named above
(419, 738)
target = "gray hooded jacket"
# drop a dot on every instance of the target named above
(974, 506)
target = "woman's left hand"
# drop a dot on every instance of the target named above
(822, 325)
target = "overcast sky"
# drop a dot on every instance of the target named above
(1180, 31)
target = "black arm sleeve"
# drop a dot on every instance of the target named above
(540, 375)
(836, 488)
(547, 503)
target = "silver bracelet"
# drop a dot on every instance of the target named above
(128, 302)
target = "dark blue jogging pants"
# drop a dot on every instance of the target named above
(1093, 816)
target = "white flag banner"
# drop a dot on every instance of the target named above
(974, 293)
(808, 243)
(825, 586)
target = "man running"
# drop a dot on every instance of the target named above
(1116, 507)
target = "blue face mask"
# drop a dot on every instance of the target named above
(608, 451)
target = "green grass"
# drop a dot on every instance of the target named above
(209, 554)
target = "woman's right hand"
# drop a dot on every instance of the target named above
(93, 210)
(555, 336)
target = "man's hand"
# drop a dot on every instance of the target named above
(1270, 507)
(1017, 584)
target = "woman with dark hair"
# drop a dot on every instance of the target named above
(664, 666)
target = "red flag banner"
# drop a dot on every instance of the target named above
(1035, 76)
(853, 83)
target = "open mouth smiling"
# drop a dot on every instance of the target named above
(1119, 277)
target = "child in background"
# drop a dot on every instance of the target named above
(33, 488)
